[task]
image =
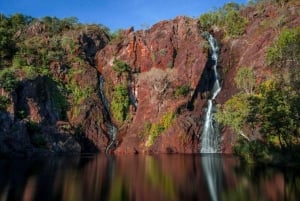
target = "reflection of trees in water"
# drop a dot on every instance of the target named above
(264, 183)
(159, 177)
(159, 180)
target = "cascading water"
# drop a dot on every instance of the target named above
(111, 128)
(210, 142)
(212, 164)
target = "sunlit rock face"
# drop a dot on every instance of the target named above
(163, 58)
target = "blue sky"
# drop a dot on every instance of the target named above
(115, 14)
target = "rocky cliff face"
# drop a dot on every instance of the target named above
(164, 58)
(166, 87)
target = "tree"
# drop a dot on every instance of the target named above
(8, 80)
(120, 103)
(285, 51)
(4, 102)
(235, 23)
(245, 79)
(234, 113)
(7, 45)
(279, 113)
(120, 67)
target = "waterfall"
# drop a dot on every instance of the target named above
(111, 128)
(210, 135)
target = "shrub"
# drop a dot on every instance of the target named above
(245, 79)
(4, 102)
(30, 72)
(8, 80)
(227, 17)
(285, 51)
(120, 103)
(207, 20)
(182, 90)
(120, 67)
(155, 129)
(235, 23)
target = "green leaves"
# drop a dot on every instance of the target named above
(285, 51)
(4, 102)
(120, 103)
(234, 112)
(235, 24)
(228, 18)
(120, 67)
(8, 80)
(245, 79)
(155, 129)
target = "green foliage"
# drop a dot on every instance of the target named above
(234, 112)
(68, 44)
(274, 109)
(253, 151)
(19, 20)
(59, 98)
(207, 20)
(7, 44)
(8, 80)
(228, 17)
(285, 51)
(120, 67)
(182, 91)
(279, 113)
(55, 25)
(235, 24)
(79, 93)
(30, 72)
(4, 102)
(245, 79)
(167, 119)
(120, 103)
(155, 129)
(116, 36)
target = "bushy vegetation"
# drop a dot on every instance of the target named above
(8, 80)
(4, 102)
(155, 129)
(120, 67)
(120, 103)
(182, 91)
(266, 116)
(245, 79)
(228, 18)
(285, 51)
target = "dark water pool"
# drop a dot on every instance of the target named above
(143, 178)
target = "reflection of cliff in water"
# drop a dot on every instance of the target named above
(136, 177)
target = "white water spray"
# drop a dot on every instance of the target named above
(211, 136)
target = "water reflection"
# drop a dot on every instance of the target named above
(213, 170)
(136, 177)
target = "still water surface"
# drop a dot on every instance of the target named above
(143, 178)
